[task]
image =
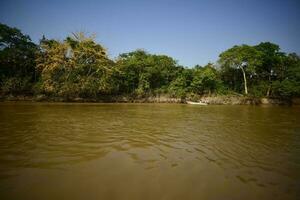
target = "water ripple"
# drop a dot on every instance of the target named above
(252, 145)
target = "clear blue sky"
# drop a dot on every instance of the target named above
(191, 31)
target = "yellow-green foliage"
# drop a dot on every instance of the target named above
(80, 67)
(77, 66)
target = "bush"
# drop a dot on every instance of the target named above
(17, 85)
(260, 89)
(286, 88)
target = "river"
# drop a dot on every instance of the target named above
(148, 151)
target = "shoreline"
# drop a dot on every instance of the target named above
(210, 100)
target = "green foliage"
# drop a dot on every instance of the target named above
(142, 73)
(17, 60)
(181, 86)
(80, 67)
(241, 57)
(205, 80)
(271, 66)
(290, 85)
(260, 88)
(244, 57)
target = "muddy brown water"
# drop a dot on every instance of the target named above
(148, 151)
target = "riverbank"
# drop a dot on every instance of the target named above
(211, 100)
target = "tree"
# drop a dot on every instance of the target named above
(143, 73)
(17, 60)
(77, 66)
(131, 65)
(205, 79)
(271, 61)
(289, 84)
(181, 85)
(244, 57)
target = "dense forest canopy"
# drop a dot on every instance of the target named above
(80, 67)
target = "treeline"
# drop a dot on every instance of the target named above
(80, 67)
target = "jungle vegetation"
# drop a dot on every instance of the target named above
(80, 67)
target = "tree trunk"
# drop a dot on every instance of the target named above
(269, 87)
(245, 80)
(268, 91)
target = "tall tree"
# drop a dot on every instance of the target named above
(17, 56)
(271, 59)
(244, 57)
(77, 66)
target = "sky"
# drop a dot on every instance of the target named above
(191, 31)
